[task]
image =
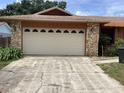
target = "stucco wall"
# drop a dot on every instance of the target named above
(92, 39)
(16, 35)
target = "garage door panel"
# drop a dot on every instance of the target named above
(53, 43)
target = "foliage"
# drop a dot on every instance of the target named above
(104, 40)
(119, 43)
(114, 70)
(113, 50)
(109, 48)
(10, 54)
(4, 63)
(30, 7)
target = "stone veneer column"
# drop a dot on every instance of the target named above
(16, 35)
(92, 39)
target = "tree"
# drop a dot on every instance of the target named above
(30, 7)
(104, 40)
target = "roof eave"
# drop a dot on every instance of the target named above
(83, 21)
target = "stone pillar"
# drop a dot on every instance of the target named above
(16, 35)
(92, 39)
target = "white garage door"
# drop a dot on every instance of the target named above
(53, 41)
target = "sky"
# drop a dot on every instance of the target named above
(88, 7)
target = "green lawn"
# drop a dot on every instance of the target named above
(4, 63)
(114, 70)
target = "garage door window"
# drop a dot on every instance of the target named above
(43, 31)
(27, 30)
(73, 31)
(58, 31)
(50, 31)
(66, 31)
(81, 32)
(35, 30)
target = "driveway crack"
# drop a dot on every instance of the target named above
(71, 67)
(41, 79)
(8, 71)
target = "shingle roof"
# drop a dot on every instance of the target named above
(52, 18)
(110, 21)
(115, 24)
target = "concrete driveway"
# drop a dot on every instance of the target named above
(56, 75)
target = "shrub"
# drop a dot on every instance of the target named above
(104, 42)
(10, 54)
(119, 43)
(113, 50)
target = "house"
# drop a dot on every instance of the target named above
(57, 32)
(5, 32)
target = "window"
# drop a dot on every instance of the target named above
(27, 30)
(81, 32)
(58, 31)
(42, 30)
(73, 31)
(35, 30)
(50, 31)
(66, 31)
